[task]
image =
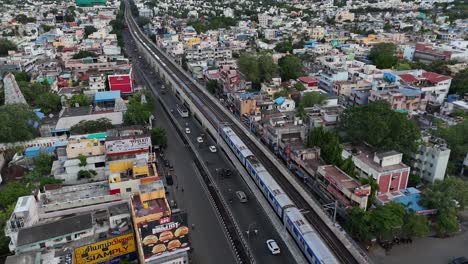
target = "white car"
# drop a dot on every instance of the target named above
(187, 130)
(199, 139)
(213, 149)
(273, 246)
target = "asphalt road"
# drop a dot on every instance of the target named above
(209, 242)
(250, 216)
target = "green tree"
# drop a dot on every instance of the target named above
(284, 47)
(248, 65)
(158, 136)
(328, 142)
(84, 174)
(88, 30)
(267, 67)
(299, 86)
(383, 55)
(456, 138)
(83, 160)
(387, 26)
(387, 219)
(310, 99)
(17, 123)
(138, 113)
(374, 189)
(21, 77)
(212, 86)
(447, 222)
(5, 46)
(290, 67)
(283, 93)
(358, 224)
(459, 82)
(403, 66)
(80, 99)
(414, 180)
(12, 191)
(23, 19)
(348, 166)
(390, 130)
(143, 21)
(415, 225)
(91, 126)
(84, 54)
(32, 90)
(49, 102)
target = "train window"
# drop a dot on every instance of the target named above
(269, 195)
(295, 231)
(309, 251)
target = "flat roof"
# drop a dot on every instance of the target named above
(340, 177)
(75, 192)
(58, 228)
(155, 206)
(107, 96)
(65, 123)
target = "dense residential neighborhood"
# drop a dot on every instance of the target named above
(276, 131)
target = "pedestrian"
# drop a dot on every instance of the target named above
(193, 226)
(182, 189)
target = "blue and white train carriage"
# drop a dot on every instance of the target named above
(307, 238)
(305, 235)
(236, 144)
(272, 191)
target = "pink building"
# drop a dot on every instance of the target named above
(386, 168)
(408, 99)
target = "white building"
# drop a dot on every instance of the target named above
(97, 83)
(430, 162)
(264, 20)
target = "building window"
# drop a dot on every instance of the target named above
(68, 238)
(129, 190)
(42, 245)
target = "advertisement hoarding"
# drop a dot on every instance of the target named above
(128, 145)
(165, 235)
(110, 250)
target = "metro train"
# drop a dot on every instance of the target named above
(304, 234)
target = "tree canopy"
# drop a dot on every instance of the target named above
(390, 130)
(49, 102)
(459, 83)
(457, 139)
(213, 86)
(91, 126)
(158, 136)
(138, 113)
(385, 222)
(284, 47)
(383, 55)
(310, 99)
(268, 69)
(84, 54)
(88, 30)
(290, 67)
(446, 197)
(80, 99)
(248, 65)
(17, 123)
(5, 46)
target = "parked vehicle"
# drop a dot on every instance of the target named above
(273, 246)
(241, 196)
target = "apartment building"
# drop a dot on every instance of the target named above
(431, 159)
(386, 168)
(406, 99)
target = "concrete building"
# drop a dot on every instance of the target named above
(430, 162)
(407, 99)
(386, 168)
(343, 187)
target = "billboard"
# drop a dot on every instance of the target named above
(109, 251)
(165, 235)
(129, 145)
